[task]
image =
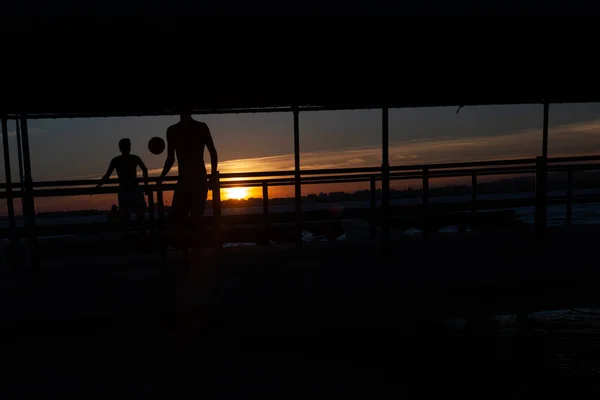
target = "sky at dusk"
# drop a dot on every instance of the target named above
(82, 148)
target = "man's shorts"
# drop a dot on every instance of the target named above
(189, 198)
(132, 200)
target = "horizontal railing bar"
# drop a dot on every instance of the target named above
(573, 159)
(265, 174)
(114, 190)
(578, 167)
(291, 172)
(484, 171)
(281, 182)
(402, 175)
(251, 183)
(469, 164)
(501, 167)
(92, 183)
(304, 172)
(340, 171)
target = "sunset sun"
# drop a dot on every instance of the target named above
(237, 193)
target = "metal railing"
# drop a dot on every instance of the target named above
(424, 172)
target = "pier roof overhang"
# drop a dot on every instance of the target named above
(132, 105)
(125, 69)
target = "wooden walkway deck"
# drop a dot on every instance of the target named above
(493, 266)
(333, 319)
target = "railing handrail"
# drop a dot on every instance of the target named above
(540, 167)
(573, 159)
(276, 178)
(469, 164)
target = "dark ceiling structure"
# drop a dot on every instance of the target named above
(65, 67)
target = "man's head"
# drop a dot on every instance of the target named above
(186, 113)
(125, 146)
(185, 109)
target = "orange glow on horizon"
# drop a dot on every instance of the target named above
(235, 193)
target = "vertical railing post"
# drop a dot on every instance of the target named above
(217, 236)
(385, 217)
(20, 161)
(426, 203)
(373, 207)
(151, 215)
(541, 180)
(541, 195)
(29, 200)
(545, 130)
(265, 190)
(541, 207)
(297, 181)
(162, 242)
(569, 196)
(10, 205)
(473, 200)
(218, 240)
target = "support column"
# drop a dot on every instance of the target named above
(217, 227)
(265, 191)
(541, 185)
(162, 240)
(20, 160)
(373, 208)
(541, 196)
(545, 131)
(29, 211)
(297, 183)
(385, 182)
(10, 205)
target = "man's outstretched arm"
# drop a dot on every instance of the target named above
(170, 157)
(107, 175)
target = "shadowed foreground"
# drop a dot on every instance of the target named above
(330, 320)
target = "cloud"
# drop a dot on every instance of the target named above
(565, 140)
(573, 139)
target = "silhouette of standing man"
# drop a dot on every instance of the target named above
(187, 140)
(131, 195)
